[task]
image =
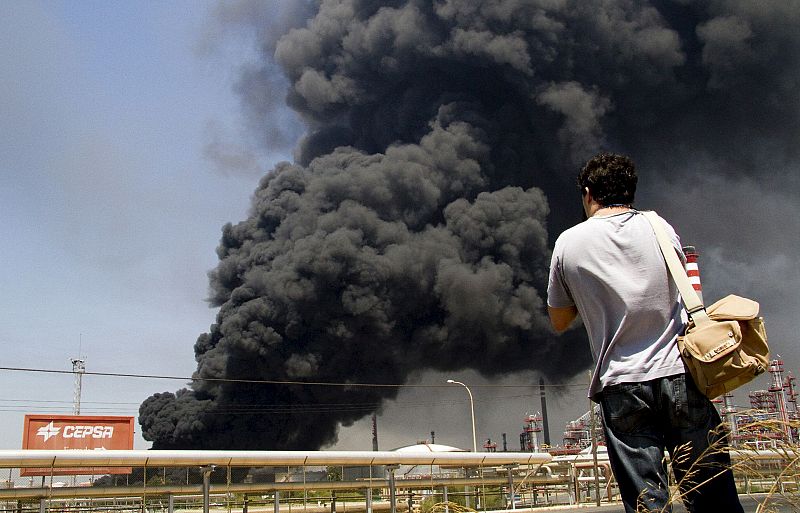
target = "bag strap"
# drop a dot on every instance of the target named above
(694, 306)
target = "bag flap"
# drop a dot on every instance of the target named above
(733, 307)
(713, 341)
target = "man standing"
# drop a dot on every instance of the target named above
(610, 271)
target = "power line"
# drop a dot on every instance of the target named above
(61, 402)
(64, 411)
(232, 409)
(278, 382)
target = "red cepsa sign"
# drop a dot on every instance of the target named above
(58, 432)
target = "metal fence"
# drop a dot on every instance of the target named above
(331, 481)
(273, 481)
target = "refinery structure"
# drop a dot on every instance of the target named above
(769, 422)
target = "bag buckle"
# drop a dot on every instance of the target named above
(695, 310)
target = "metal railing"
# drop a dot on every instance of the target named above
(90, 458)
(457, 471)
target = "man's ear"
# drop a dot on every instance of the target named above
(586, 200)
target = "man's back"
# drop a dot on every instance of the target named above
(612, 269)
(609, 269)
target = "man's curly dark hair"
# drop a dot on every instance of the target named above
(610, 178)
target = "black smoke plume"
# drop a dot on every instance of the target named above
(443, 137)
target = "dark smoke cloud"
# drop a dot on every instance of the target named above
(412, 232)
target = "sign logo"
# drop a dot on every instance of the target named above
(72, 431)
(77, 432)
(48, 431)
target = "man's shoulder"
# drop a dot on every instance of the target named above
(578, 229)
(576, 233)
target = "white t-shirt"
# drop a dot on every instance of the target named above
(611, 269)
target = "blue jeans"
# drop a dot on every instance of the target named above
(641, 420)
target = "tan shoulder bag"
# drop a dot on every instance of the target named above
(725, 345)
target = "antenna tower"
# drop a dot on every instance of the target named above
(78, 368)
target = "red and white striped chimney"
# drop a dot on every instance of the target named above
(692, 270)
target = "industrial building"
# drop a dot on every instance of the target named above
(771, 421)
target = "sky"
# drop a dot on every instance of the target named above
(127, 142)
(112, 209)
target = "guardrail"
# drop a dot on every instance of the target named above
(497, 466)
(90, 458)
(531, 476)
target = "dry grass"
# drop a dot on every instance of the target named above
(773, 471)
(452, 507)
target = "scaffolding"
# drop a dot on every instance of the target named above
(529, 438)
(772, 419)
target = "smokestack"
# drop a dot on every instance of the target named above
(374, 432)
(505, 443)
(692, 269)
(545, 424)
(433, 437)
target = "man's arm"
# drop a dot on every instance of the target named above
(562, 317)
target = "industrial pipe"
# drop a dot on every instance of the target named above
(140, 458)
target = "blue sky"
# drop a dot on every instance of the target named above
(110, 212)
